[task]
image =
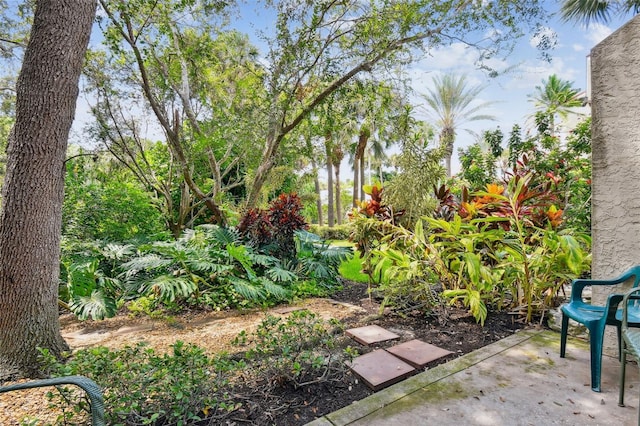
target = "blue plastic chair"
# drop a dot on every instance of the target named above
(596, 318)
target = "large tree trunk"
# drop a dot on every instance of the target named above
(356, 185)
(30, 222)
(363, 167)
(338, 196)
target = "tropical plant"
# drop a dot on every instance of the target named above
(500, 247)
(272, 232)
(318, 260)
(418, 166)
(207, 266)
(89, 277)
(478, 165)
(453, 104)
(556, 97)
(588, 11)
(567, 167)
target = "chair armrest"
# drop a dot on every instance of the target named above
(579, 284)
(86, 384)
(613, 301)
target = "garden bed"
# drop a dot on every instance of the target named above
(453, 329)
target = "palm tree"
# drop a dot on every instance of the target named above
(587, 11)
(453, 104)
(556, 97)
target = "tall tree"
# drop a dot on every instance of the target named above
(588, 11)
(346, 38)
(374, 107)
(194, 79)
(452, 102)
(556, 97)
(30, 221)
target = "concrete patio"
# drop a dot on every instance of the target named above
(520, 380)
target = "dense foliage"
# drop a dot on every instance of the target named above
(142, 386)
(503, 245)
(207, 267)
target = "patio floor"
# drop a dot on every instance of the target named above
(520, 380)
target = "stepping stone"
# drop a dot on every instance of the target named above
(418, 353)
(371, 334)
(379, 369)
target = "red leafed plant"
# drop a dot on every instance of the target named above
(273, 230)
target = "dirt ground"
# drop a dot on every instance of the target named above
(454, 330)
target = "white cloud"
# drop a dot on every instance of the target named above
(577, 47)
(531, 74)
(595, 33)
(456, 55)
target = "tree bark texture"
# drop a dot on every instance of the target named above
(33, 191)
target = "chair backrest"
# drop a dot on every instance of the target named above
(634, 272)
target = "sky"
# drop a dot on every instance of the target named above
(509, 93)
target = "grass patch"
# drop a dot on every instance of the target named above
(351, 269)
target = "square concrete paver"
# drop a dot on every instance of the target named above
(418, 353)
(370, 334)
(379, 369)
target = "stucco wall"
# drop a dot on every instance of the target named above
(615, 83)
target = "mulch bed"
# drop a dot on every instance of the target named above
(454, 329)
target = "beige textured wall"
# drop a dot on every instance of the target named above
(615, 93)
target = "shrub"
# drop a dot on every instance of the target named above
(142, 387)
(297, 350)
(501, 247)
(336, 232)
